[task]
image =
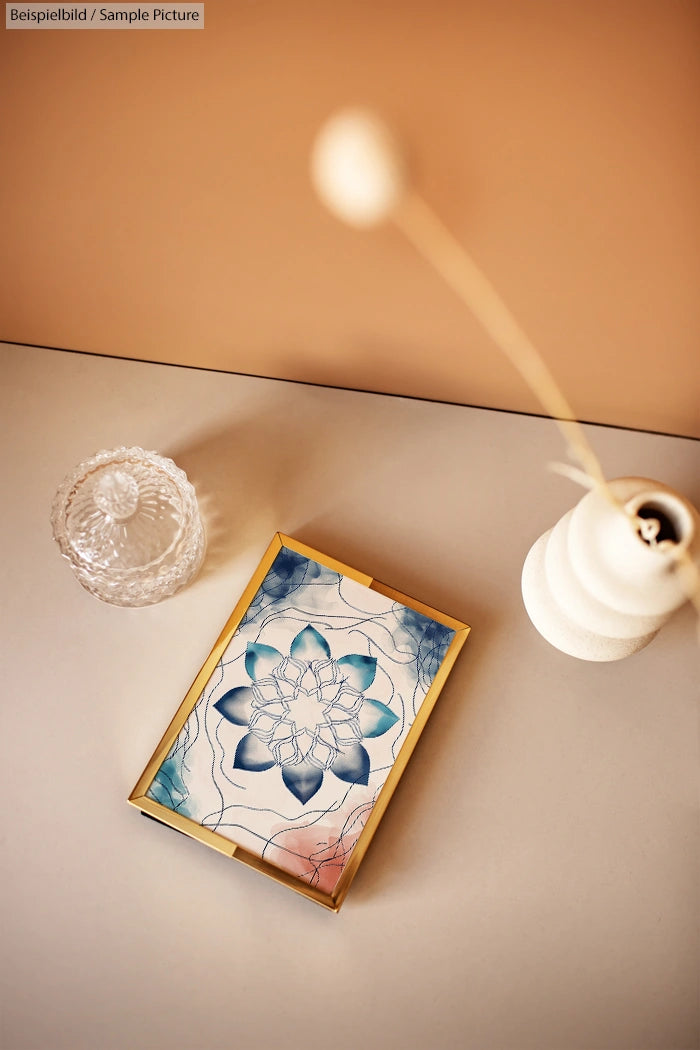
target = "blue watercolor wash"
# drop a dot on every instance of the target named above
(168, 787)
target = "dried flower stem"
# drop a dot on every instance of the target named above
(434, 241)
(439, 247)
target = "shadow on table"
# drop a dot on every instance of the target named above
(246, 476)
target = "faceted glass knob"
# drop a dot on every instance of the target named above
(116, 494)
(128, 522)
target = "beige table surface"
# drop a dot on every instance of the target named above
(534, 883)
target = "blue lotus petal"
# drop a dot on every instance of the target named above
(236, 705)
(303, 780)
(260, 660)
(359, 670)
(352, 765)
(253, 755)
(376, 718)
(309, 644)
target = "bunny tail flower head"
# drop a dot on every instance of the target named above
(306, 713)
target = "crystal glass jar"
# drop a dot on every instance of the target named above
(128, 522)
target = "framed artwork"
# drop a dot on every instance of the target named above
(290, 742)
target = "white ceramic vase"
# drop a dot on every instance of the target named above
(598, 586)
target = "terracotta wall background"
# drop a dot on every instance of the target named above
(156, 203)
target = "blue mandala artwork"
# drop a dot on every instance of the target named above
(306, 713)
(292, 738)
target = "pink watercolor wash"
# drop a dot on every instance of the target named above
(317, 853)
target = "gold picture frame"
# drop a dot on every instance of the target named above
(304, 746)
